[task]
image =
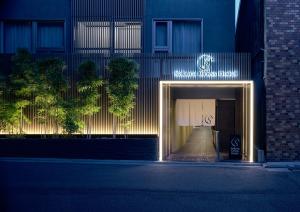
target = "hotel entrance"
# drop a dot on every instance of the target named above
(206, 121)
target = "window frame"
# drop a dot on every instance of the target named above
(169, 48)
(1, 37)
(3, 25)
(112, 24)
(36, 36)
(88, 50)
(115, 50)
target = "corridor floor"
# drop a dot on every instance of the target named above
(199, 147)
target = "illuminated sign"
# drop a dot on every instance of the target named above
(204, 70)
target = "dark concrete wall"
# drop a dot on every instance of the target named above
(283, 79)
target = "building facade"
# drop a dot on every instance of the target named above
(199, 88)
(275, 56)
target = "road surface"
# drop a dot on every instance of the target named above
(44, 185)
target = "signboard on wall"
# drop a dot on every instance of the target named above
(195, 112)
(207, 67)
(235, 147)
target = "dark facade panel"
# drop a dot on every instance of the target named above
(250, 38)
(107, 26)
(108, 9)
(218, 20)
(34, 9)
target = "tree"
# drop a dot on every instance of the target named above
(50, 92)
(72, 122)
(3, 106)
(22, 86)
(88, 89)
(122, 85)
(8, 113)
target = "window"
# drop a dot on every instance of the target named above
(17, 35)
(177, 36)
(162, 40)
(108, 37)
(32, 35)
(50, 36)
(161, 37)
(93, 37)
(127, 37)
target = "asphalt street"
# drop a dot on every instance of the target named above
(87, 185)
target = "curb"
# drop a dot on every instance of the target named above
(293, 166)
(130, 162)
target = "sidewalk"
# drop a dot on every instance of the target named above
(267, 165)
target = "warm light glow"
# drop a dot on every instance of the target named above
(194, 82)
(251, 121)
(28, 130)
(160, 120)
(251, 130)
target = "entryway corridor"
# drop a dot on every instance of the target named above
(199, 147)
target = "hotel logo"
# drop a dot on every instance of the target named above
(204, 70)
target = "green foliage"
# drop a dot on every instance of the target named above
(22, 85)
(45, 84)
(49, 96)
(22, 79)
(122, 85)
(4, 116)
(72, 122)
(2, 104)
(51, 72)
(88, 89)
(9, 118)
(9, 112)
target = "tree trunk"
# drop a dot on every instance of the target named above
(45, 129)
(56, 125)
(114, 127)
(21, 121)
(56, 129)
(89, 128)
(125, 132)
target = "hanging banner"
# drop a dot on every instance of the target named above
(195, 112)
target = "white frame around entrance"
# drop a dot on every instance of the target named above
(251, 104)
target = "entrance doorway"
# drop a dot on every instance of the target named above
(206, 120)
(227, 123)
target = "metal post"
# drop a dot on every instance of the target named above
(217, 144)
